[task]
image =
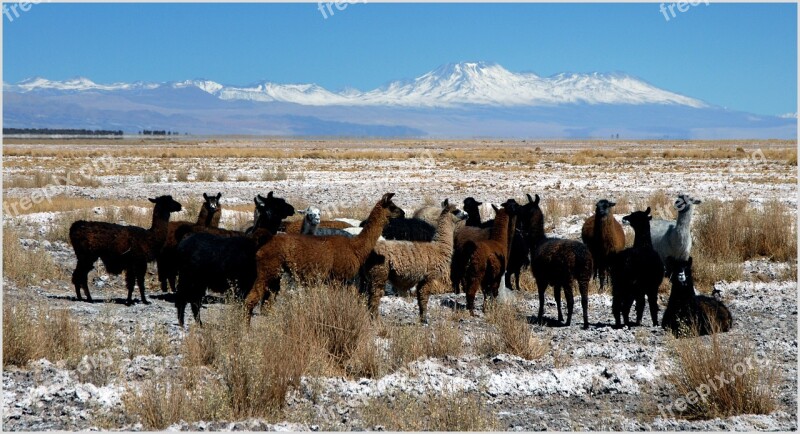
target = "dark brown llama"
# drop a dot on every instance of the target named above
(121, 248)
(166, 262)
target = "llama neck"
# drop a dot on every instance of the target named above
(307, 228)
(366, 239)
(208, 218)
(536, 235)
(159, 224)
(500, 228)
(684, 219)
(444, 230)
(474, 218)
(599, 222)
(642, 236)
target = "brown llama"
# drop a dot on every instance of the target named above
(603, 239)
(309, 258)
(486, 260)
(166, 262)
(121, 248)
(406, 264)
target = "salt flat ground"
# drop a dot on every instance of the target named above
(596, 379)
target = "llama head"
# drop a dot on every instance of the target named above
(271, 210)
(638, 219)
(603, 207)
(313, 215)
(530, 216)
(684, 202)
(511, 206)
(394, 211)
(470, 203)
(680, 274)
(211, 203)
(458, 214)
(164, 205)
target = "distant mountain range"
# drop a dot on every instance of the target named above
(468, 99)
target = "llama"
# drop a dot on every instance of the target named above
(214, 262)
(636, 272)
(406, 264)
(473, 208)
(690, 314)
(674, 238)
(486, 259)
(556, 262)
(166, 261)
(428, 214)
(312, 218)
(308, 258)
(121, 248)
(603, 238)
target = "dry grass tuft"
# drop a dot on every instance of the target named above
(513, 334)
(413, 342)
(34, 331)
(27, 267)
(699, 364)
(460, 411)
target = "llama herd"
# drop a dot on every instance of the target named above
(437, 243)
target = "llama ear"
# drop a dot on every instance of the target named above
(387, 197)
(269, 195)
(530, 199)
(259, 200)
(697, 201)
(647, 211)
(496, 209)
(205, 196)
(690, 261)
(610, 204)
(151, 200)
(446, 203)
(219, 195)
(536, 202)
(302, 212)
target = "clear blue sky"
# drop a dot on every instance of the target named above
(739, 56)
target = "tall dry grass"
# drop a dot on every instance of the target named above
(727, 233)
(27, 266)
(746, 385)
(512, 334)
(35, 330)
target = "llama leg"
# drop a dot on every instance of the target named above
(616, 307)
(180, 302)
(375, 282)
(601, 275)
(570, 301)
(455, 276)
(161, 266)
(423, 291)
(542, 286)
(557, 296)
(171, 280)
(652, 298)
(472, 291)
(639, 308)
(196, 304)
(130, 282)
(583, 287)
(140, 281)
(80, 277)
(626, 309)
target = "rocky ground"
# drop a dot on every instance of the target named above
(596, 379)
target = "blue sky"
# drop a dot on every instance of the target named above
(739, 56)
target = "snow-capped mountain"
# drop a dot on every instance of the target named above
(466, 99)
(452, 85)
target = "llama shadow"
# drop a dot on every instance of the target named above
(453, 304)
(548, 322)
(119, 300)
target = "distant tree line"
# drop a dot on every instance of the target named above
(158, 133)
(62, 131)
